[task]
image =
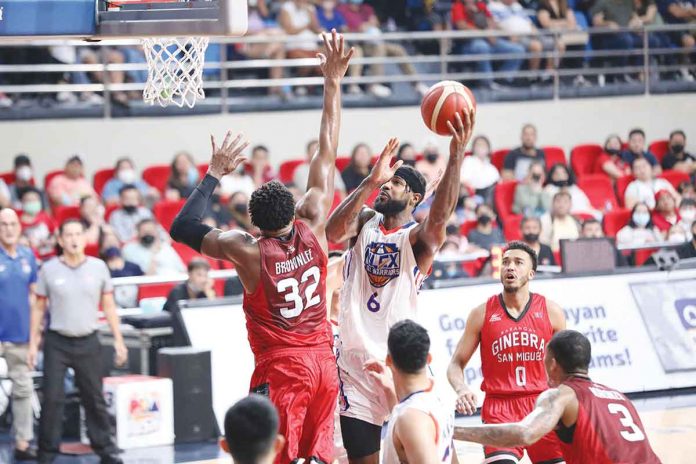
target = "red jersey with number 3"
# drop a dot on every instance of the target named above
(608, 429)
(512, 350)
(288, 308)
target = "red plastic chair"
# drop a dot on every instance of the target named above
(554, 155)
(187, 255)
(92, 249)
(61, 213)
(503, 197)
(202, 169)
(659, 148)
(287, 169)
(511, 227)
(641, 256)
(599, 190)
(342, 162)
(166, 211)
(8, 177)
(615, 220)
(101, 177)
(50, 175)
(621, 186)
(108, 209)
(157, 176)
(583, 158)
(155, 290)
(498, 158)
(466, 227)
(675, 177)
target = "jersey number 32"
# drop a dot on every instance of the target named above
(291, 288)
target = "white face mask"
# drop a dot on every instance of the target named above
(127, 176)
(24, 173)
(688, 215)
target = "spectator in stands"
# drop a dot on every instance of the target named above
(126, 296)
(151, 253)
(126, 218)
(235, 215)
(92, 217)
(360, 17)
(559, 177)
(259, 166)
(301, 175)
(646, 185)
(432, 163)
(466, 205)
(636, 149)
(199, 285)
(407, 154)
(665, 215)
(687, 211)
(678, 158)
(592, 228)
(610, 161)
(556, 15)
(125, 174)
(67, 188)
(640, 228)
(113, 56)
(676, 234)
(558, 223)
(474, 15)
(24, 180)
(687, 190)
(511, 17)
(516, 164)
(448, 269)
(487, 233)
(529, 197)
(530, 227)
(299, 18)
(478, 173)
(239, 180)
(37, 225)
(359, 167)
(251, 431)
(681, 12)
(688, 249)
(183, 178)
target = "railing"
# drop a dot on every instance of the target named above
(222, 80)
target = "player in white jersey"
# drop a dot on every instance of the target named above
(421, 425)
(390, 255)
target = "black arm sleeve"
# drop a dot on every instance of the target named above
(187, 227)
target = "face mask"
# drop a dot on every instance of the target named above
(431, 157)
(530, 238)
(688, 215)
(409, 162)
(677, 238)
(130, 209)
(484, 219)
(127, 176)
(192, 175)
(560, 183)
(536, 177)
(641, 219)
(24, 173)
(677, 148)
(240, 208)
(612, 151)
(32, 208)
(147, 240)
(195, 289)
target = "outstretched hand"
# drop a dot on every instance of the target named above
(382, 170)
(461, 131)
(227, 157)
(334, 63)
(379, 372)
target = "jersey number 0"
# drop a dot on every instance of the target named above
(293, 296)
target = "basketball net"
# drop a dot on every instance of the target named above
(175, 70)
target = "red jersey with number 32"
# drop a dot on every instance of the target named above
(512, 350)
(288, 308)
(608, 429)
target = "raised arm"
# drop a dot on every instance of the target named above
(466, 399)
(550, 407)
(429, 236)
(314, 207)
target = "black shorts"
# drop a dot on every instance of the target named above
(360, 438)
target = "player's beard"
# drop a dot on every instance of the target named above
(390, 207)
(518, 284)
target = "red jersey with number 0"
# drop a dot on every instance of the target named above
(608, 429)
(288, 308)
(512, 350)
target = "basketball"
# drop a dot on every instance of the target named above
(442, 102)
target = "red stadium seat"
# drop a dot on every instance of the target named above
(157, 176)
(615, 220)
(498, 158)
(50, 175)
(155, 290)
(8, 177)
(583, 158)
(641, 256)
(187, 255)
(342, 162)
(557, 257)
(621, 186)
(61, 213)
(675, 177)
(101, 177)
(92, 249)
(287, 169)
(554, 155)
(166, 211)
(503, 196)
(466, 227)
(659, 148)
(108, 209)
(511, 227)
(202, 169)
(599, 190)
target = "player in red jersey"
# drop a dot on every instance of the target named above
(284, 277)
(513, 329)
(595, 424)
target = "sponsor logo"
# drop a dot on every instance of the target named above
(686, 309)
(494, 318)
(382, 263)
(144, 413)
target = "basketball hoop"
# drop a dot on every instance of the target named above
(175, 70)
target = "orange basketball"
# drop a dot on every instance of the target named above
(442, 102)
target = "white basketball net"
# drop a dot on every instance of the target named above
(175, 70)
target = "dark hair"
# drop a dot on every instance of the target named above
(518, 245)
(251, 426)
(127, 187)
(687, 202)
(174, 180)
(612, 136)
(198, 263)
(30, 189)
(556, 167)
(259, 147)
(74, 159)
(685, 185)
(677, 132)
(632, 224)
(271, 206)
(122, 160)
(409, 345)
(63, 224)
(527, 219)
(572, 350)
(589, 221)
(561, 193)
(562, 7)
(85, 199)
(22, 159)
(402, 148)
(636, 131)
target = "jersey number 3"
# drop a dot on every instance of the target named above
(626, 420)
(293, 295)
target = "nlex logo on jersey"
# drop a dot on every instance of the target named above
(382, 263)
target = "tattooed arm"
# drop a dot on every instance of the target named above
(550, 407)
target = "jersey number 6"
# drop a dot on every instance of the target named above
(293, 296)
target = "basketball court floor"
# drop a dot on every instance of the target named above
(669, 421)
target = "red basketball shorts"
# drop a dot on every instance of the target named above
(503, 409)
(303, 385)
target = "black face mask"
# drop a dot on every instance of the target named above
(130, 209)
(560, 183)
(409, 162)
(431, 157)
(612, 151)
(536, 177)
(452, 230)
(530, 238)
(240, 208)
(677, 148)
(484, 219)
(147, 240)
